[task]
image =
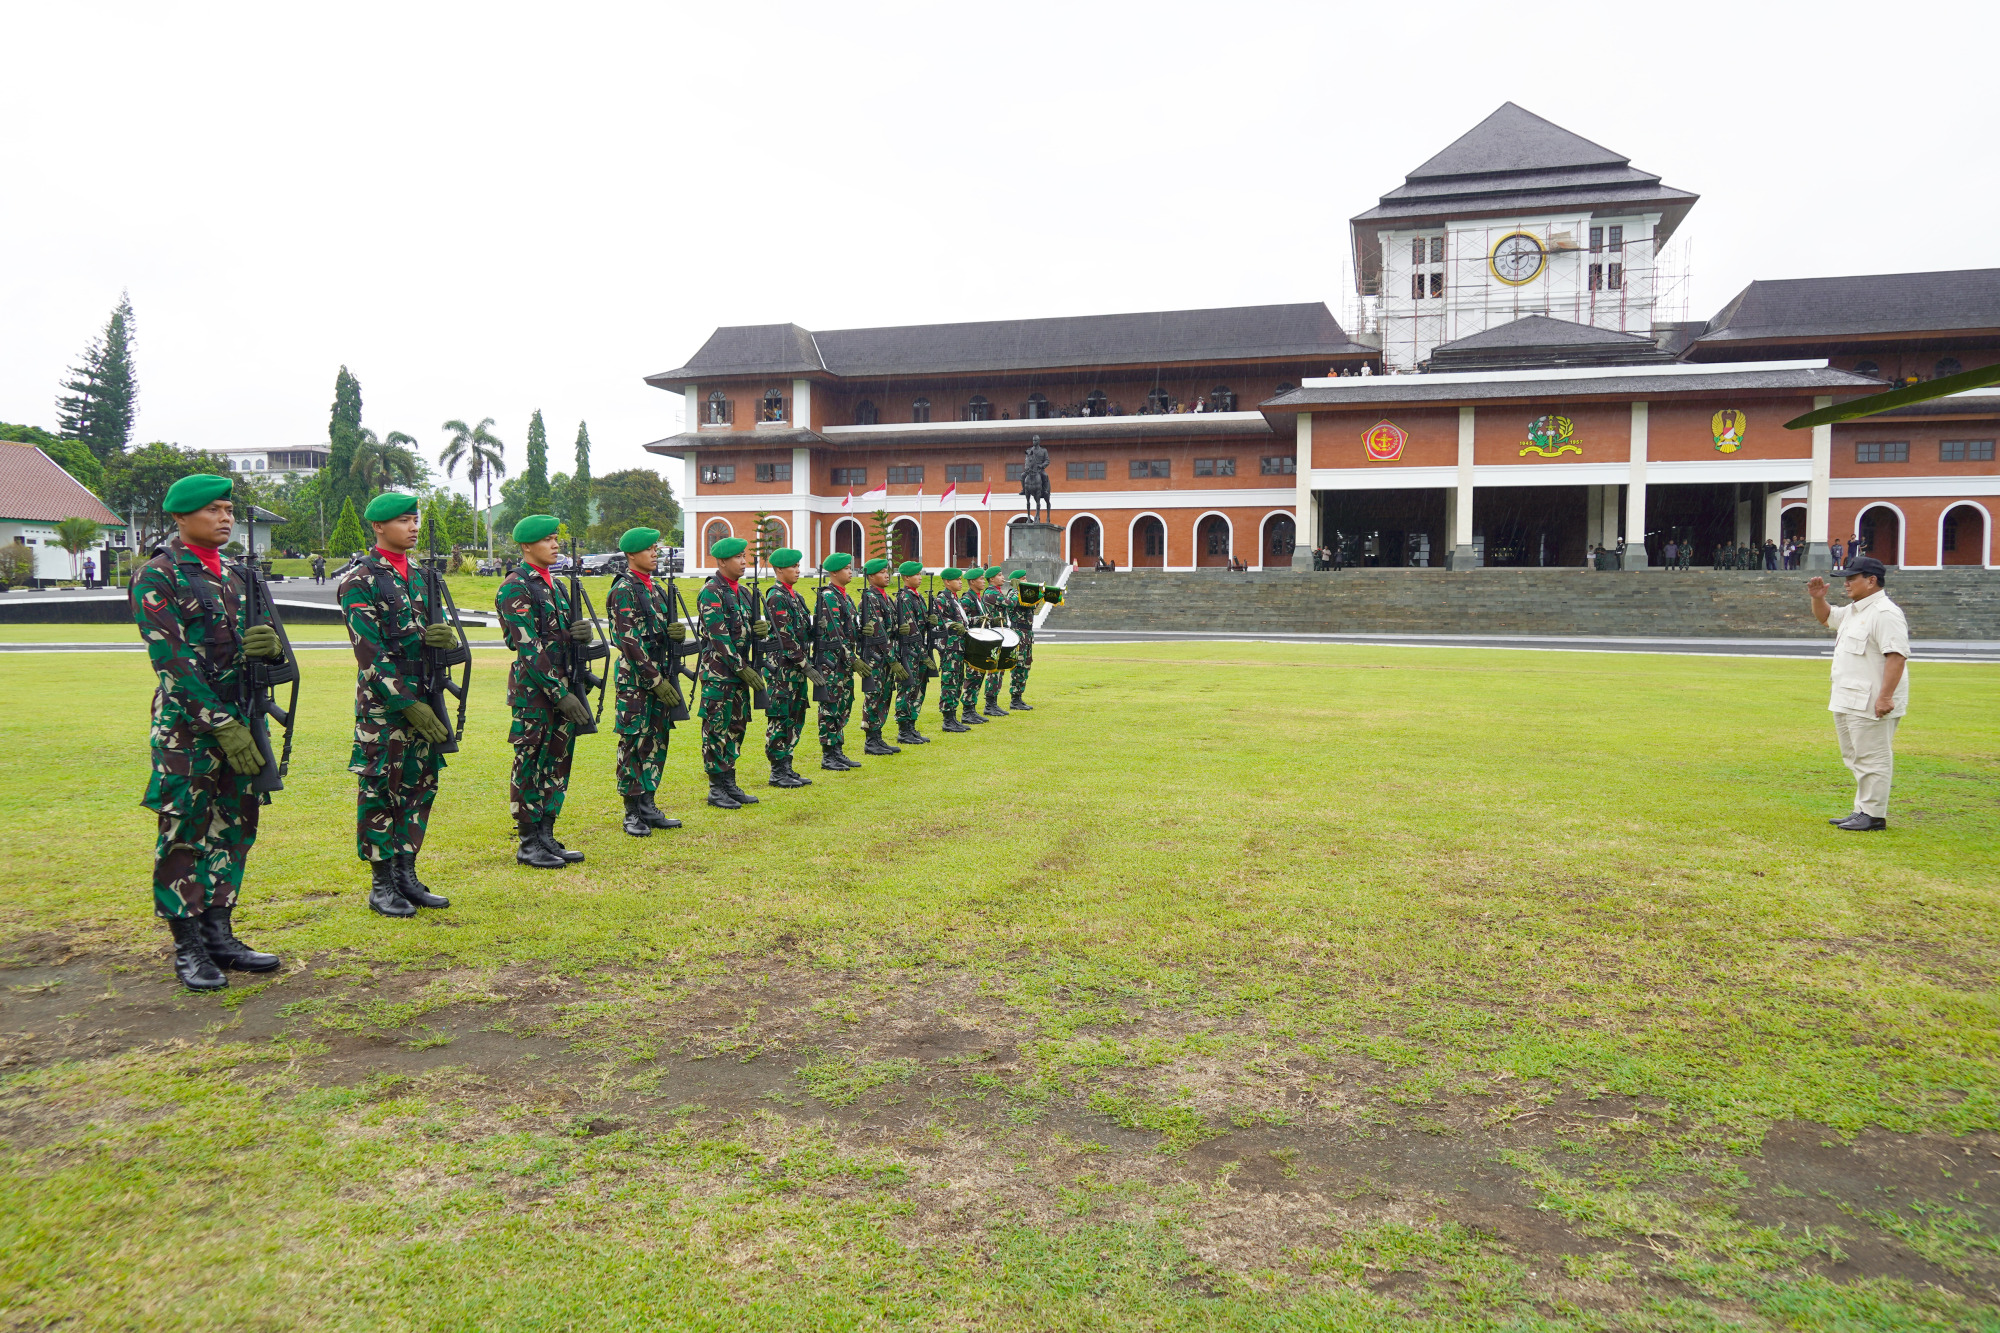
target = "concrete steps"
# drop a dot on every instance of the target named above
(1703, 603)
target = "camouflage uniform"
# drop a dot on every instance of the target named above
(639, 612)
(192, 623)
(947, 612)
(535, 616)
(725, 615)
(1022, 619)
(397, 768)
(878, 625)
(836, 638)
(913, 641)
(993, 602)
(784, 673)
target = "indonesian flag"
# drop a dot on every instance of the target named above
(850, 498)
(882, 490)
(951, 489)
(988, 497)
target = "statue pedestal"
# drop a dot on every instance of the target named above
(1037, 548)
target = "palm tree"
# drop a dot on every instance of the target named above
(77, 535)
(381, 463)
(480, 450)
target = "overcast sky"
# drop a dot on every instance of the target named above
(485, 209)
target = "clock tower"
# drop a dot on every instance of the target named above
(1517, 217)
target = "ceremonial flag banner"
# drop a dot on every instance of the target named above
(988, 497)
(951, 489)
(850, 498)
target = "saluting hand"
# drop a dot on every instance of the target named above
(261, 641)
(1816, 586)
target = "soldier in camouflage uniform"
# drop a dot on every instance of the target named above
(788, 669)
(882, 671)
(994, 602)
(837, 655)
(1021, 618)
(948, 626)
(648, 639)
(913, 650)
(191, 611)
(728, 681)
(397, 733)
(544, 631)
(975, 618)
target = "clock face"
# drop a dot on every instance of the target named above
(1518, 258)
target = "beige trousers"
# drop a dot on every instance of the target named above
(1867, 747)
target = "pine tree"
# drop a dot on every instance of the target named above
(347, 537)
(343, 433)
(103, 395)
(576, 497)
(535, 477)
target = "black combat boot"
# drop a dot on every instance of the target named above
(784, 775)
(651, 813)
(833, 761)
(196, 970)
(635, 819)
(970, 715)
(225, 950)
(384, 898)
(549, 841)
(845, 762)
(876, 745)
(736, 793)
(951, 722)
(911, 736)
(1019, 705)
(718, 795)
(532, 852)
(993, 708)
(413, 889)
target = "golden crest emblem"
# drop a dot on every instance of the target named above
(1551, 436)
(1729, 426)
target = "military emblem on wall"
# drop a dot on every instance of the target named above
(1729, 427)
(1384, 441)
(1551, 437)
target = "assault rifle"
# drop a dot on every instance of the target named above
(755, 656)
(262, 676)
(434, 678)
(579, 656)
(677, 608)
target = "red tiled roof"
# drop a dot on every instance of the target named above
(33, 489)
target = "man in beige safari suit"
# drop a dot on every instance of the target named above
(1870, 690)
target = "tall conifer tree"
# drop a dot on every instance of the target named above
(103, 392)
(535, 477)
(347, 537)
(576, 500)
(343, 433)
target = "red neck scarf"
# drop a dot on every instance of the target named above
(210, 556)
(547, 577)
(729, 583)
(397, 561)
(643, 577)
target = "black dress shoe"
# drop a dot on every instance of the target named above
(413, 889)
(1860, 823)
(718, 796)
(533, 853)
(736, 793)
(192, 965)
(549, 841)
(384, 898)
(650, 812)
(635, 819)
(225, 950)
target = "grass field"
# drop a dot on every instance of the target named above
(1236, 987)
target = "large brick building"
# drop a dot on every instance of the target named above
(1514, 400)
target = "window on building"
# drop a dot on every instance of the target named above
(1437, 249)
(1597, 277)
(865, 414)
(1278, 465)
(1416, 286)
(1215, 467)
(978, 409)
(911, 475)
(1152, 537)
(965, 472)
(1086, 471)
(1437, 284)
(718, 474)
(718, 410)
(1949, 365)
(850, 476)
(713, 533)
(1088, 537)
(1221, 399)
(1596, 239)
(1095, 404)
(1868, 368)
(1036, 407)
(1616, 237)
(1215, 536)
(1883, 451)
(1963, 451)
(1149, 467)
(1614, 277)
(774, 472)
(1950, 542)
(1416, 249)
(920, 410)
(772, 408)
(1158, 399)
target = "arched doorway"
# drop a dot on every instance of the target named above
(963, 542)
(1149, 543)
(909, 540)
(1280, 536)
(779, 533)
(1792, 523)
(847, 537)
(1881, 534)
(1086, 541)
(712, 532)
(1211, 541)
(1962, 537)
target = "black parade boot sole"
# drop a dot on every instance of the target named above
(193, 968)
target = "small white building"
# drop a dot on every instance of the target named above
(35, 495)
(303, 461)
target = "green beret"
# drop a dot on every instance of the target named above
(835, 562)
(786, 557)
(909, 567)
(1018, 574)
(993, 571)
(636, 540)
(875, 566)
(388, 505)
(534, 527)
(727, 547)
(196, 492)
(948, 573)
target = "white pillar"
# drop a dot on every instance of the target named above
(1460, 510)
(1305, 514)
(1742, 518)
(1607, 519)
(1593, 512)
(802, 404)
(1819, 493)
(801, 488)
(1774, 514)
(1635, 496)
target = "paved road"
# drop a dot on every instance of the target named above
(1929, 650)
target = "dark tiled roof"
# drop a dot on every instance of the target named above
(1516, 139)
(34, 489)
(1238, 333)
(1544, 331)
(1536, 341)
(1436, 389)
(1876, 304)
(676, 445)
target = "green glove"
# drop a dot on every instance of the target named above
(761, 628)
(749, 676)
(854, 662)
(900, 672)
(677, 632)
(440, 636)
(907, 628)
(261, 641)
(419, 717)
(574, 710)
(580, 632)
(239, 747)
(957, 629)
(813, 675)
(664, 691)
